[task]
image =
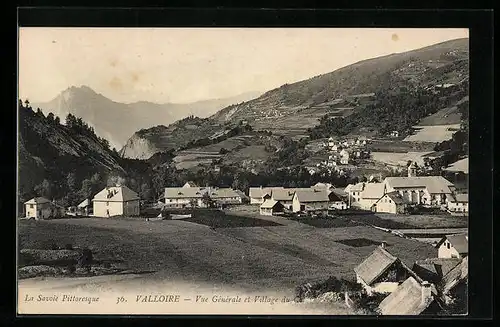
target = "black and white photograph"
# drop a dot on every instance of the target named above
(254, 171)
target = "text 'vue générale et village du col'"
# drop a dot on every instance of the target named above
(156, 298)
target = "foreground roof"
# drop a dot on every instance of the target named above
(459, 166)
(84, 203)
(374, 265)
(406, 299)
(116, 194)
(459, 273)
(268, 204)
(283, 194)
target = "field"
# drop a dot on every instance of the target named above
(399, 159)
(437, 133)
(227, 250)
(400, 146)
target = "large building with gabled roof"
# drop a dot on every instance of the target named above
(116, 201)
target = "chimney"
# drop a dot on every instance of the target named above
(383, 245)
(426, 292)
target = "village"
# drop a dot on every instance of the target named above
(427, 286)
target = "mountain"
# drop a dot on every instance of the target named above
(357, 91)
(116, 121)
(298, 106)
(49, 152)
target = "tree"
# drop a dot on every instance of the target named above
(71, 181)
(206, 200)
(57, 120)
(44, 189)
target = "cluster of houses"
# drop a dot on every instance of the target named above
(277, 200)
(342, 152)
(392, 195)
(397, 194)
(426, 287)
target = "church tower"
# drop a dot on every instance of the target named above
(412, 169)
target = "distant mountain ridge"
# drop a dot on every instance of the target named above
(293, 109)
(116, 121)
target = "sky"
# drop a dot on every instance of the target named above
(182, 65)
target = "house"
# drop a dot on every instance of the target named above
(284, 196)
(116, 201)
(434, 269)
(41, 208)
(426, 190)
(259, 194)
(381, 272)
(413, 297)
(84, 208)
(224, 196)
(336, 201)
(458, 202)
(193, 196)
(460, 166)
(344, 157)
(364, 195)
(453, 246)
(455, 281)
(394, 134)
(310, 199)
(182, 197)
(271, 207)
(190, 184)
(391, 202)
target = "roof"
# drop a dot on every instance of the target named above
(459, 166)
(373, 191)
(459, 241)
(85, 203)
(190, 184)
(259, 192)
(406, 299)
(116, 194)
(185, 192)
(462, 197)
(396, 197)
(441, 266)
(283, 194)
(37, 200)
(312, 195)
(354, 187)
(374, 265)
(433, 184)
(217, 193)
(268, 204)
(459, 273)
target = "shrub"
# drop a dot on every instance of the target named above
(85, 260)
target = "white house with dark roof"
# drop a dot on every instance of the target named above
(453, 246)
(41, 208)
(364, 195)
(381, 272)
(192, 196)
(284, 196)
(270, 207)
(458, 203)
(310, 199)
(116, 201)
(259, 194)
(391, 202)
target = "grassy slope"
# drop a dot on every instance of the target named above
(254, 257)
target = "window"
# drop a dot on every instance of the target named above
(31, 206)
(107, 203)
(448, 245)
